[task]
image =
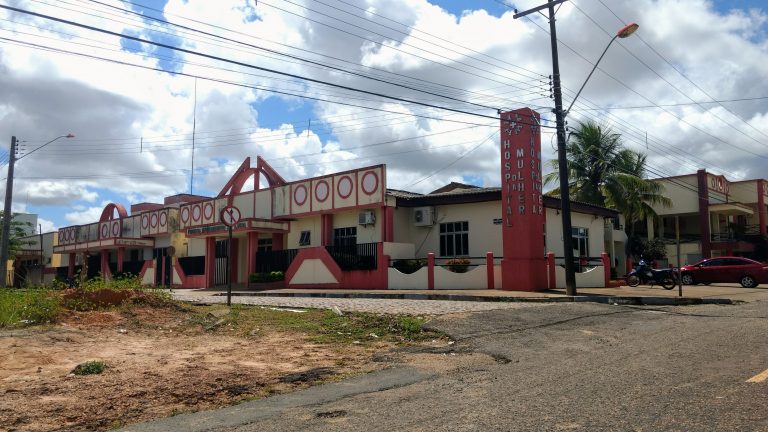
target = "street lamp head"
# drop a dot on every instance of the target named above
(627, 30)
(69, 136)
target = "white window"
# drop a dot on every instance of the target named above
(580, 241)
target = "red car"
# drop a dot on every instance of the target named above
(745, 271)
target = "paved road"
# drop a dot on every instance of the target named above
(386, 306)
(561, 367)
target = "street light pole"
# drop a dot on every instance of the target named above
(562, 157)
(5, 234)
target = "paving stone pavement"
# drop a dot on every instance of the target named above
(387, 306)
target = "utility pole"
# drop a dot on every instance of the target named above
(5, 235)
(570, 271)
(42, 257)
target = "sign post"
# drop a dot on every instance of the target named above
(229, 216)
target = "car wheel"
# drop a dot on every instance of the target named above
(748, 282)
(688, 279)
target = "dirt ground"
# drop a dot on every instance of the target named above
(158, 365)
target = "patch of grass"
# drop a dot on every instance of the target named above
(93, 367)
(20, 307)
(320, 326)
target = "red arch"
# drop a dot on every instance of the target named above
(109, 212)
(237, 181)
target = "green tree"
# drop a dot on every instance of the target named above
(16, 238)
(602, 172)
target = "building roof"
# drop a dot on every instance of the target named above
(483, 194)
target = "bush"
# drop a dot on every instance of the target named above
(458, 265)
(409, 266)
(93, 367)
(28, 306)
(266, 277)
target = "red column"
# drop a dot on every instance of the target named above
(277, 241)
(489, 269)
(105, 264)
(120, 258)
(387, 224)
(761, 213)
(253, 247)
(551, 273)
(71, 265)
(235, 258)
(606, 268)
(326, 230)
(210, 261)
(431, 270)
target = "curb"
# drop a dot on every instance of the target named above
(619, 300)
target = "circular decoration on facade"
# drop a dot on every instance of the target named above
(208, 211)
(153, 220)
(185, 215)
(370, 183)
(71, 235)
(300, 195)
(163, 219)
(145, 222)
(115, 229)
(104, 231)
(196, 213)
(321, 190)
(344, 187)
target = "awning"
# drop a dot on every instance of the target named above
(731, 209)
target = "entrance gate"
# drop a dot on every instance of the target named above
(221, 275)
(162, 267)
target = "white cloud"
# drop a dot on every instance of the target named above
(134, 126)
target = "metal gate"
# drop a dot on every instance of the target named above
(221, 275)
(162, 267)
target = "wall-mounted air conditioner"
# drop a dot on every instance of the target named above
(367, 217)
(424, 216)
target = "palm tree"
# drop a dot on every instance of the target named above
(602, 172)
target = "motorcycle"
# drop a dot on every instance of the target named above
(644, 274)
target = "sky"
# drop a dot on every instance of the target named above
(321, 86)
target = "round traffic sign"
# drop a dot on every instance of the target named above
(229, 216)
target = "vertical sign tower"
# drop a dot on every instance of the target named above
(523, 267)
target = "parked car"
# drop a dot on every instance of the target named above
(747, 272)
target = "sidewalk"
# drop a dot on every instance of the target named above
(641, 295)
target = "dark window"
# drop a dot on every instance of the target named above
(305, 239)
(345, 236)
(265, 245)
(713, 263)
(454, 239)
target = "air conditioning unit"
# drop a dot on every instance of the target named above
(367, 217)
(424, 216)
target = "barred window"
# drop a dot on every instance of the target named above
(454, 239)
(345, 236)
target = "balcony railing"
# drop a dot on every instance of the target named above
(737, 232)
(361, 256)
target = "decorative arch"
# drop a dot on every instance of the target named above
(245, 172)
(109, 212)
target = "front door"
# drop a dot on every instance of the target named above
(162, 267)
(221, 275)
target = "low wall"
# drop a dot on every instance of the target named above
(401, 281)
(476, 278)
(592, 278)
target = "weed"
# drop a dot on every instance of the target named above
(19, 307)
(93, 367)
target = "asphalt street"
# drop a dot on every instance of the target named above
(556, 367)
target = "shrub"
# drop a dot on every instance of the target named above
(93, 367)
(28, 306)
(408, 266)
(267, 277)
(457, 265)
